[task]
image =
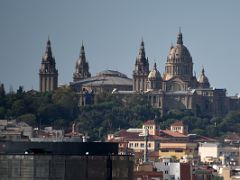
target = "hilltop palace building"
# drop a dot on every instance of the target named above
(176, 88)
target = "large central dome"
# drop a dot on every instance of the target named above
(179, 61)
(178, 54)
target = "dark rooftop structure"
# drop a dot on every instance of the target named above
(59, 148)
(63, 161)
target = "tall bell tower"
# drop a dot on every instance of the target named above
(82, 67)
(141, 71)
(48, 74)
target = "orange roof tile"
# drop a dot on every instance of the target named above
(177, 123)
(232, 137)
(173, 134)
(200, 138)
(149, 122)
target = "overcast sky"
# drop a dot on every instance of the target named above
(111, 31)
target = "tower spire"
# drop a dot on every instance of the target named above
(140, 73)
(179, 37)
(155, 66)
(82, 67)
(48, 73)
(141, 53)
(82, 51)
(203, 71)
(48, 52)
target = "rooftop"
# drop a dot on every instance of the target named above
(107, 77)
(149, 122)
(178, 123)
(174, 134)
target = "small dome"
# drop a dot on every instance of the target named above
(154, 73)
(203, 78)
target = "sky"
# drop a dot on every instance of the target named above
(111, 31)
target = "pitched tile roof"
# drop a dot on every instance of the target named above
(173, 134)
(177, 123)
(149, 122)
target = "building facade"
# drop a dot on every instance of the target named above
(48, 74)
(178, 87)
(160, 143)
(175, 88)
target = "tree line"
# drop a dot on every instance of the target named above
(108, 114)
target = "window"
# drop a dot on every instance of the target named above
(142, 145)
(154, 99)
(136, 144)
(165, 172)
(164, 150)
(178, 150)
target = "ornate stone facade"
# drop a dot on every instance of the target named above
(48, 74)
(178, 88)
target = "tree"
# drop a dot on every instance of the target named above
(65, 98)
(30, 119)
(18, 108)
(2, 112)
(20, 90)
(48, 114)
(2, 91)
(2, 95)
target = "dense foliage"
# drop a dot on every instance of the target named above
(56, 109)
(110, 113)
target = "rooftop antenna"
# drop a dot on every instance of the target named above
(145, 157)
(145, 134)
(73, 128)
(85, 137)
